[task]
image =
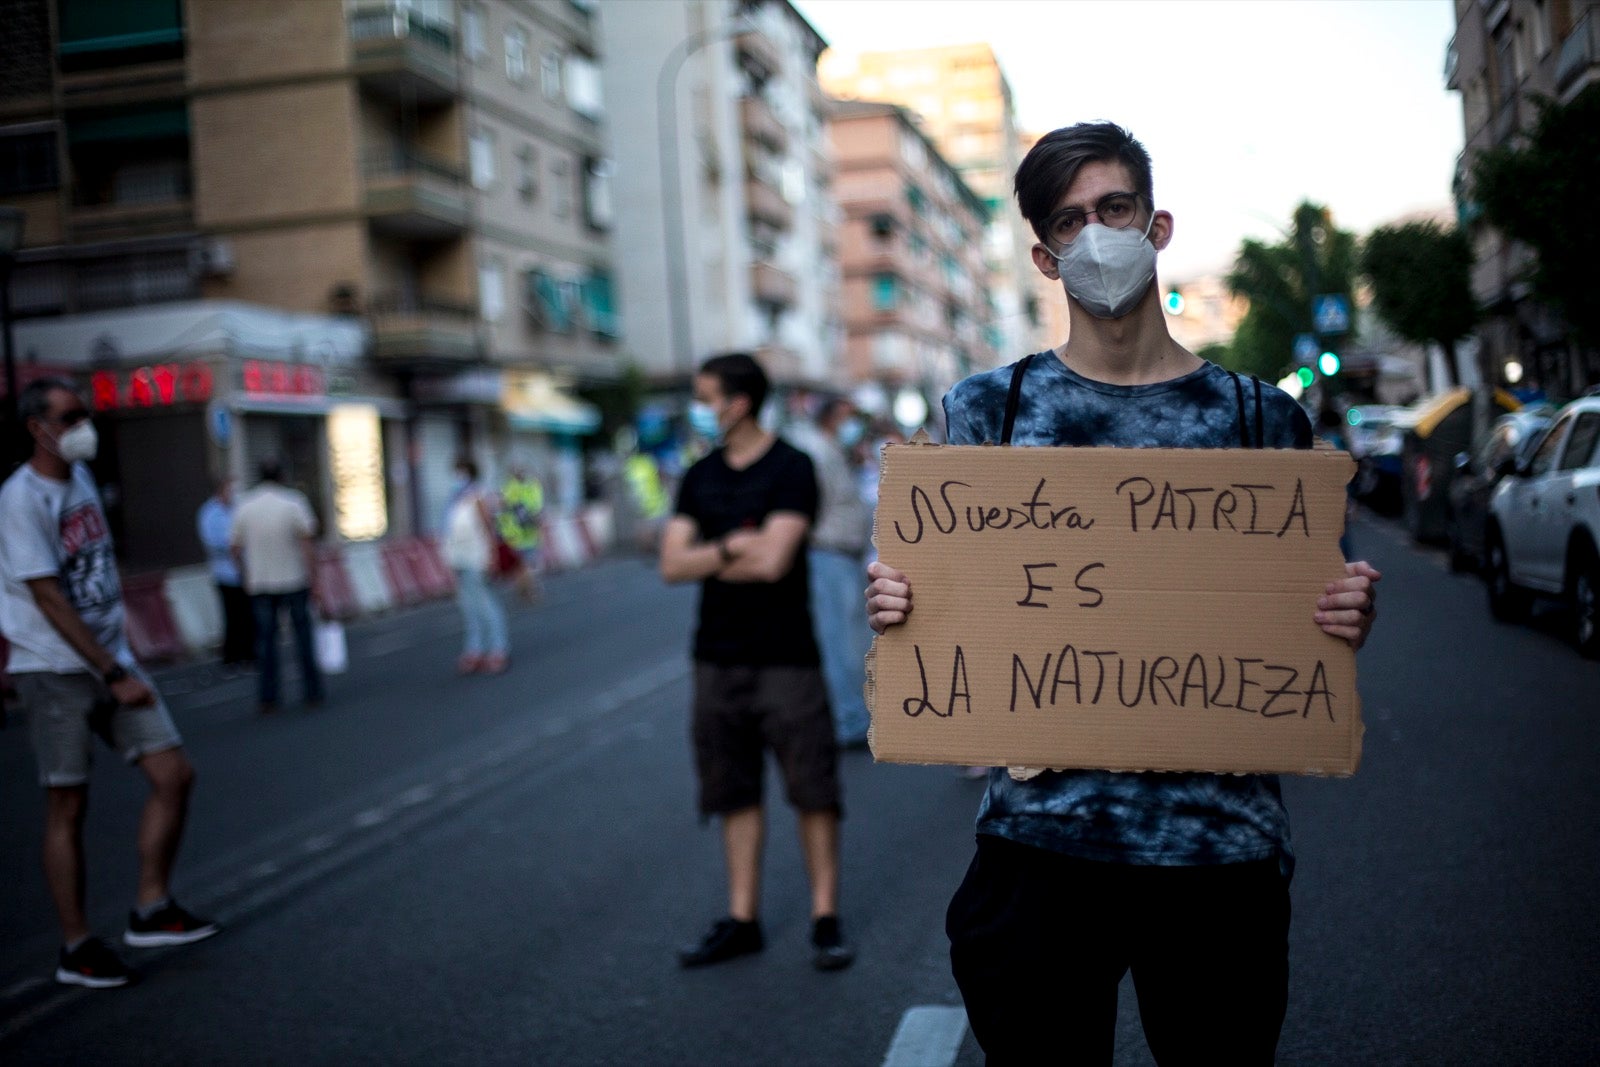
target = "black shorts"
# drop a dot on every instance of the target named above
(739, 713)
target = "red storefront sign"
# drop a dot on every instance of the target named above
(157, 386)
(264, 378)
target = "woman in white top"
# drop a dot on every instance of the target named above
(469, 550)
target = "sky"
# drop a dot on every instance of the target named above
(1246, 106)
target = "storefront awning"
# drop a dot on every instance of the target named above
(534, 401)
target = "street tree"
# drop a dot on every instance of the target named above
(1541, 192)
(1421, 275)
(1280, 280)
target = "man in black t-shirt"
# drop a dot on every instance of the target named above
(744, 513)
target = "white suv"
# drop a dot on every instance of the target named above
(1543, 532)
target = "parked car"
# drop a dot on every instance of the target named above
(1442, 429)
(1543, 534)
(1375, 440)
(1510, 439)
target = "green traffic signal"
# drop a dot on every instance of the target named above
(1306, 376)
(1328, 364)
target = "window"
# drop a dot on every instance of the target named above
(550, 75)
(597, 211)
(550, 301)
(480, 153)
(491, 291)
(1580, 443)
(583, 87)
(599, 310)
(517, 55)
(561, 186)
(28, 162)
(884, 292)
(1545, 458)
(527, 173)
(472, 35)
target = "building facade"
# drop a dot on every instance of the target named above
(424, 180)
(1504, 55)
(915, 296)
(725, 220)
(962, 101)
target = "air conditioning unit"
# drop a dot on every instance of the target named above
(216, 257)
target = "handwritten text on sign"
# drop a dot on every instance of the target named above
(1118, 608)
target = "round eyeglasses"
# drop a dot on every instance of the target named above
(1114, 210)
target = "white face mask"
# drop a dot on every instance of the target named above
(78, 444)
(1106, 270)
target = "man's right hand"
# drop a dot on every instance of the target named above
(132, 692)
(888, 597)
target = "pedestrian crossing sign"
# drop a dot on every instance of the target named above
(1331, 313)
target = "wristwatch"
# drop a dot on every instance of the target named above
(116, 674)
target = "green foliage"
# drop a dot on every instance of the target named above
(617, 400)
(1280, 281)
(1217, 353)
(1542, 194)
(1421, 278)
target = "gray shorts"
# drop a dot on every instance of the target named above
(66, 710)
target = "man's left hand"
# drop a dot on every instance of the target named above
(1347, 607)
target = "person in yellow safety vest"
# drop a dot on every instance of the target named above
(521, 502)
(648, 496)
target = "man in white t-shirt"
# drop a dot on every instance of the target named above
(273, 537)
(61, 610)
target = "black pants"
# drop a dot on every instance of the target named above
(238, 625)
(1039, 942)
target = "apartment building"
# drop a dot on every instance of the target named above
(362, 235)
(911, 253)
(1504, 55)
(962, 101)
(725, 221)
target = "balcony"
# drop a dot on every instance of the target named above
(423, 330)
(1452, 65)
(414, 197)
(761, 125)
(1579, 63)
(398, 56)
(772, 286)
(1504, 124)
(757, 54)
(764, 203)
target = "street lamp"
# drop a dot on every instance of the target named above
(671, 208)
(11, 223)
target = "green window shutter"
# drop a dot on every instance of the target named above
(109, 25)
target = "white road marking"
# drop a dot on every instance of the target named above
(929, 1036)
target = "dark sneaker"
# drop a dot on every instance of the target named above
(828, 949)
(727, 939)
(172, 925)
(92, 964)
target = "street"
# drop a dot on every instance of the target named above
(433, 869)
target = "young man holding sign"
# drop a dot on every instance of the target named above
(1081, 876)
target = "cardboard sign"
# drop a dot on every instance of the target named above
(1116, 608)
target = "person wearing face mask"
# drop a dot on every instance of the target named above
(835, 563)
(61, 609)
(1083, 876)
(740, 528)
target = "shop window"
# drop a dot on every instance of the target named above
(28, 162)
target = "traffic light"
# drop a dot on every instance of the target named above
(1306, 376)
(1173, 301)
(1328, 363)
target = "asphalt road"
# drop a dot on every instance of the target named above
(497, 870)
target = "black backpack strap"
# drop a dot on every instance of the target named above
(1238, 388)
(1261, 430)
(1014, 397)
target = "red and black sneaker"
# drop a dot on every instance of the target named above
(94, 965)
(170, 925)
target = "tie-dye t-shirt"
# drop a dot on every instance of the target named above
(1147, 818)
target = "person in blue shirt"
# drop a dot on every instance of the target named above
(214, 523)
(1082, 876)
